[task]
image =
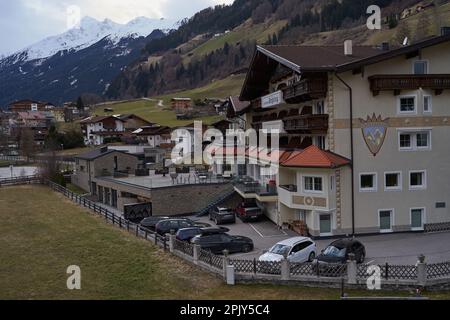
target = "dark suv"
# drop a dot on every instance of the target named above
(166, 226)
(217, 243)
(222, 215)
(188, 233)
(249, 210)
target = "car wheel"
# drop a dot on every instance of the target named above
(246, 248)
(312, 256)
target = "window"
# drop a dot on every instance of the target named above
(368, 182)
(321, 142)
(392, 181)
(386, 220)
(421, 67)
(407, 105)
(427, 106)
(313, 184)
(325, 224)
(413, 141)
(417, 218)
(417, 180)
(320, 107)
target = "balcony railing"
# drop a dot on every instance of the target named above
(397, 83)
(306, 90)
(247, 186)
(308, 123)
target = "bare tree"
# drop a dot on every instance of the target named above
(403, 32)
(26, 143)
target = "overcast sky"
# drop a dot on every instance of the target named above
(23, 22)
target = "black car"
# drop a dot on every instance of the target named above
(217, 243)
(151, 222)
(166, 226)
(339, 250)
(187, 234)
(222, 215)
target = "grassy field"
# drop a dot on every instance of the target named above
(151, 110)
(42, 233)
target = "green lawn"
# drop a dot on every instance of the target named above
(153, 112)
(42, 233)
(75, 189)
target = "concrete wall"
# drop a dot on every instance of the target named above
(185, 200)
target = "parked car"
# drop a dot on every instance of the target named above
(151, 222)
(248, 211)
(298, 249)
(222, 215)
(331, 261)
(165, 226)
(217, 243)
(187, 234)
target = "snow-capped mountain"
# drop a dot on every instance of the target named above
(82, 60)
(89, 32)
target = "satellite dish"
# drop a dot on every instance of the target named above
(405, 41)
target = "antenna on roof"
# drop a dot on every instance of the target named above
(405, 41)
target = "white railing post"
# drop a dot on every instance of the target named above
(196, 254)
(172, 239)
(352, 269)
(421, 271)
(285, 269)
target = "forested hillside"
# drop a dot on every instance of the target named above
(220, 41)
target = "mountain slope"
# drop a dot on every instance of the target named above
(220, 41)
(81, 60)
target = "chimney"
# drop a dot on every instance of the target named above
(348, 48)
(385, 46)
(445, 31)
(104, 150)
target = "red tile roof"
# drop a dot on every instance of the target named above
(314, 157)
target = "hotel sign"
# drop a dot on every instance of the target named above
(272, 100)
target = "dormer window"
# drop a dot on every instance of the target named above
(421, 67)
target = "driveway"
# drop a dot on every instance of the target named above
(402, 248)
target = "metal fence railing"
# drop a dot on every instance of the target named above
(407, 273)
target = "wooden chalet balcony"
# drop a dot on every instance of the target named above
(397, 83)
(306, 90)
(316, 122)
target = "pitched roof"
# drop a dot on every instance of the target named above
(238, 105)
(316, 57)
(95, 119)
(314, 157)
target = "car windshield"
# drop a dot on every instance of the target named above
(333, 251)
(280, 249)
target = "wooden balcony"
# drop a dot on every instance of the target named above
(397, 83)
(305, 90)
(317, 122)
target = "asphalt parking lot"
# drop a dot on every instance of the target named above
(401, 248)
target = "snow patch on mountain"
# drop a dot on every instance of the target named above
(89, 32)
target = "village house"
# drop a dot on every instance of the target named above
(363, 136)
(181, 105)
(38, 122)
(30, 106)
(100, 129)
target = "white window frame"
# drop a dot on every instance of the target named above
(424, 215)
(430, 104)
(413, 132)
(427, 71)
(400, 181)
(375, 182)
(317, 142)
(423, 186)
(303, 179)
(406, 112)
(392, 220)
